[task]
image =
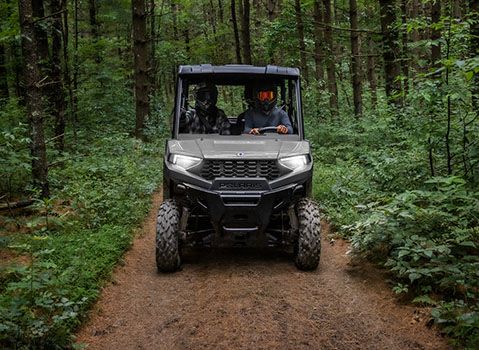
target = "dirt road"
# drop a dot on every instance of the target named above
(250, 299)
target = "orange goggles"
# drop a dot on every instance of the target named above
(265, 95)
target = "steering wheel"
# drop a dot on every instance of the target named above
(267, 129)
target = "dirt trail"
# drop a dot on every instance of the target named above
(251, 299)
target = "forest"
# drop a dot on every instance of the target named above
(391, 106)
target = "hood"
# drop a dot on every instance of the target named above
(240, 148)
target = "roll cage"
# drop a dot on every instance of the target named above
(287, 80)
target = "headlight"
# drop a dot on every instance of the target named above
(184, 162)
(294, 163)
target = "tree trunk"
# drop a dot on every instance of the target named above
(245, 30)
(221, 11)
(391, 53)
(331, 71)
(355, 59)
(371, 64)
(3, 74)
(140, 53)
(41, 34)
(474, 50)
(405, 51)
(271, 8)
(66, 65)
(174, 10)
(57, 93)
(33, 98)
(302, 45)
(235, 31)
(435, 34)
(75, 70)
(153, 70)
(318, 40)
(92, 12)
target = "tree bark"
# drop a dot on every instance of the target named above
(245, 30)
(371, 65)
(391, 53)
(355, 60)
(302, 44)
(153, 68)
(435, 33)
(236, 32)
(330, 66)
(57, 92)
(40, 34)
(221, 11)
(474, 50)
(318, 40)
(33, 98)
(140, 53)
(92, 12)
(405, 50)
(3, 74)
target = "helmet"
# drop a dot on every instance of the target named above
(265, 98)
(206, 96)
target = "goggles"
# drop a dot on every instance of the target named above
(266, 95)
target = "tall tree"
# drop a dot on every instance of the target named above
(3, 74)
(318, 40)
(235, 32)
(474, 49)
(391, 52)
(435, 33)
(302, 45)
(405, 49)
(33, 97)
(140, 55)
(371, 73)
(355, 59)
(92, 12)
(245, 30)
(57, 92)
(330, 65)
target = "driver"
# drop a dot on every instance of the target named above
(265, 113)
(205, 118)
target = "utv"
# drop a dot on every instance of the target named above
(238, 189)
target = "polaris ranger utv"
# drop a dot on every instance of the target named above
(238, 189)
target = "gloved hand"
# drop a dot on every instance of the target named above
(281, 129)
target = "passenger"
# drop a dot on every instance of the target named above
(265, 113)
(205, 118)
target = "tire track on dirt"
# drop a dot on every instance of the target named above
(250, 299)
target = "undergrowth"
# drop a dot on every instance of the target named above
(372, 180)
(68, 249)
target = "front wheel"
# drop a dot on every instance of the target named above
(308, 244)
(167, 244)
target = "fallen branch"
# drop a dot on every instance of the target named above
(16, 205)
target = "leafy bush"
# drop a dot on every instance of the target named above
(107, 188)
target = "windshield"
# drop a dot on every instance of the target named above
(238, 107)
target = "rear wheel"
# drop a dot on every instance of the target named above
(167, 244)
(308, 244)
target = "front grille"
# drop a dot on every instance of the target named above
(240, 168)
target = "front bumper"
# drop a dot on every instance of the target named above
(239, 205)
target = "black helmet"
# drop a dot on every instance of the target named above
(206, 96)
(265, 97)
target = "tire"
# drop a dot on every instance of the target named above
(308, 245)
(167, 244)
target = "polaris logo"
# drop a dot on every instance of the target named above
(241, 186)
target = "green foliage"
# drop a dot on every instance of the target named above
(15, 159)
(106, 186)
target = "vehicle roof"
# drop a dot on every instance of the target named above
(207, 69)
